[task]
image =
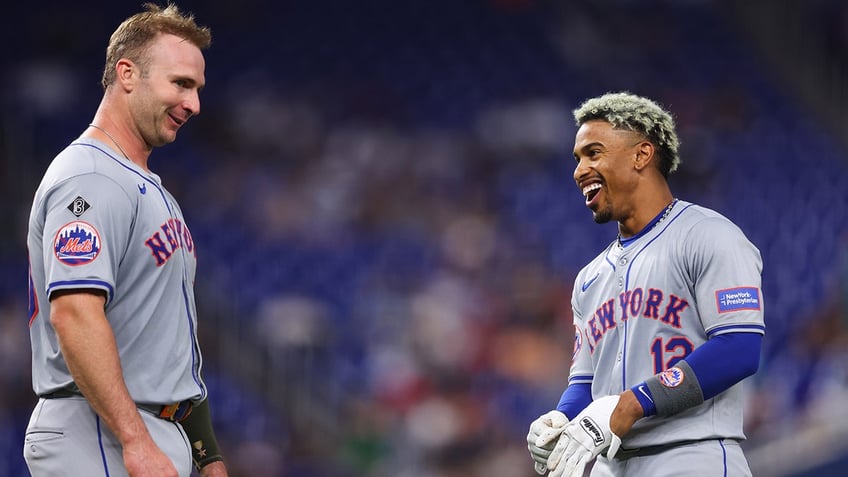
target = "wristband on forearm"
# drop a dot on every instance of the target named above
(198, 428)
(675, 389)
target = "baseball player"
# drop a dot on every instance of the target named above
(668, 317)
(115, 357)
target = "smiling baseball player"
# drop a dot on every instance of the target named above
(668, 318)
(116, 361)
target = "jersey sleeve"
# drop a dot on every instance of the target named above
(581, 359)
(726, 271)
(87, 223)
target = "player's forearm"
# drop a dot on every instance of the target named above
(201, 436)
(215, 469)
(88, 346)
(708, 371)
(626, 413)
(574, 399)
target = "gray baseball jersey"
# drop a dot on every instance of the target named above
(640, 309)
(98, 221)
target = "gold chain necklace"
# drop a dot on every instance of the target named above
(127, 156)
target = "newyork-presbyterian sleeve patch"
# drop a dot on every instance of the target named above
(735, 299)
(77, 243)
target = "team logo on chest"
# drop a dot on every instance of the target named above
(77, 243)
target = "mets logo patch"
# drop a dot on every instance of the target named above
(578, 342)
(741, 298)
(76, 243)
(672, 377)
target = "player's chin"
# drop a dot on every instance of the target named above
(601, 215)
(164, 140)
(167, 136)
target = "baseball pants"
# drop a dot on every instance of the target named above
(709, 458)
(65, 437)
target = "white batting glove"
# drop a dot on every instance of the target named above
(584, 438)
(543, 436)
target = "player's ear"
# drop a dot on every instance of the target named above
(644, 155)
(126, 71)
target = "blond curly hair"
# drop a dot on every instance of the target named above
(628, 111)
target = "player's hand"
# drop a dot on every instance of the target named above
(584, 438)
(145, 459)
(542, 438)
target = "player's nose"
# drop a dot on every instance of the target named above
(580, 171)
(191, 104)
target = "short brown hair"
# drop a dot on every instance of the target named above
(132, 37)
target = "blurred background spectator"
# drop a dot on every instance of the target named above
(387, 226)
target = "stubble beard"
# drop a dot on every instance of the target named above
(603, 215)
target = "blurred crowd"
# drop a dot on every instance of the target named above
(388, 229)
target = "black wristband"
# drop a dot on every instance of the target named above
(201, 436)
(675, 389)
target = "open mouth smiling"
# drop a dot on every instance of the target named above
(590, 191)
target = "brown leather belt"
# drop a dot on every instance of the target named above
(176, 412)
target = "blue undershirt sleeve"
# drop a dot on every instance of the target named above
(725, 360)
(574, 399)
